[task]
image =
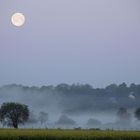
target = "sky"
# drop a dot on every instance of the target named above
(70, 41)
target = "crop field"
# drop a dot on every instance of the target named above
(38, 134)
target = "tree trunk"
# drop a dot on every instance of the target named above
(15, 125)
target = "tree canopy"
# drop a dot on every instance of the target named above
(137, 113)
(13, 114)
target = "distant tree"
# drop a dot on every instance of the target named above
(122, 88)
(93, 122)
(112, 87)
(80, 88)
(32, 118)
(62, 87)
(137, 113)
(43, 117)
(13, 114)
(47, 88)
(65, 120)
(133, 86)
(123, 116)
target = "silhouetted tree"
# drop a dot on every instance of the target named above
(43, 118)
(123, 116)
(112, 87)
(32, 118)
(137, 113)
(65, 120)
(122, 88)
(62, 87)
(133, 86)
(93, 122)
(13, 114)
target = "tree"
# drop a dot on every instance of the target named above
(122, 88)
(32, 118)
(13, 114)
(123, 116)
(93, 122)
(43, 118)
(112, 87)
(65, 120)
(137, 113)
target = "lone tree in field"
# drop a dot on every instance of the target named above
(137, 113)
(13, 114)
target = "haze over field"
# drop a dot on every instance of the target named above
(76, 105)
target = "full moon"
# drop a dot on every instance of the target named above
(18, 19)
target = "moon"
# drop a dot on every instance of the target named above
(18, 19)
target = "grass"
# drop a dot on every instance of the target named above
(38, 134)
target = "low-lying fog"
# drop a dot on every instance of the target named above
(77, 106)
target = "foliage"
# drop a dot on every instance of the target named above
(43, 117)
(123, 116)
(93, 122)
(137, 113)
(65, 120)
(13, 114)
(74, 97)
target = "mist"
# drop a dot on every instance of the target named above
(76, 106)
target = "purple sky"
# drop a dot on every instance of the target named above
(70, 41)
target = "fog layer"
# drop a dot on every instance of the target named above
(71, 106)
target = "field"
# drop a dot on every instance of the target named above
(38, 134)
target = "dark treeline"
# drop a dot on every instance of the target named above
(83, 88)
(78, 98)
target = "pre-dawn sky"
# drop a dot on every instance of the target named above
(70, 41)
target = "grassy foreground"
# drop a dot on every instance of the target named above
(38, 134)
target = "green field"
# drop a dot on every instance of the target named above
(38, 134)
